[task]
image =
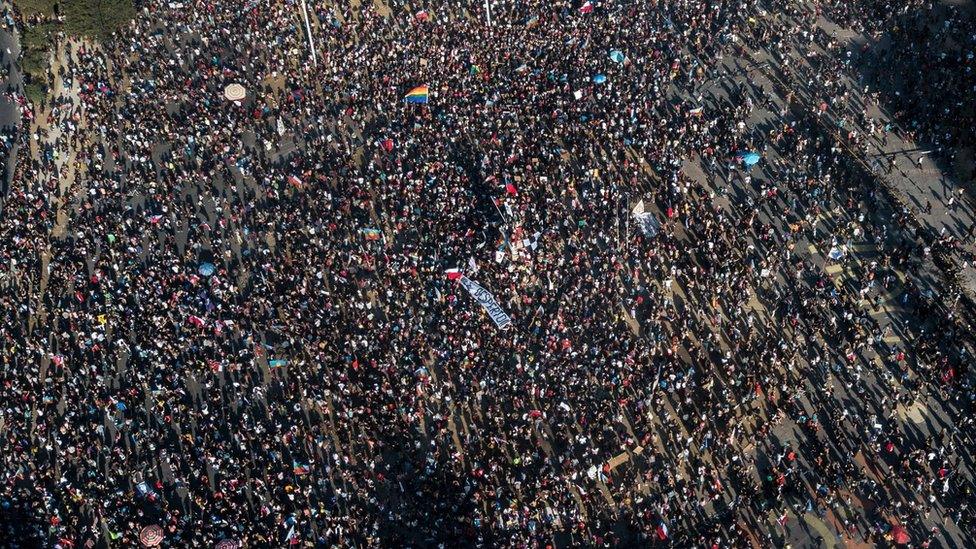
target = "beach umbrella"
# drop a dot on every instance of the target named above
(151, 535)
(206, 269)
(234, 92)
(599, 79)
(617, 56)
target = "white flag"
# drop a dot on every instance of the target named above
(646, 220)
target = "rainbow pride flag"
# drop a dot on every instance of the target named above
(417, 95)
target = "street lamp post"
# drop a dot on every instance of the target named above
(308, 30)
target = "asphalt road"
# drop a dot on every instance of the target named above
(9, 111)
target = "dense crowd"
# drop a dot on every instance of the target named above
(233, 319)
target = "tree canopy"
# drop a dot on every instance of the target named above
(96, 19)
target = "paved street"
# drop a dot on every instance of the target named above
(9, 110)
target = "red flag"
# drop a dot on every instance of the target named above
(587, 7)
(510, 189)
(948, 375)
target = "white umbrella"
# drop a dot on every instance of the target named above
(234, 92)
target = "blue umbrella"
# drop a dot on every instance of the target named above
(599, 79)
(748, 158)
(206, 269)
(617, 56)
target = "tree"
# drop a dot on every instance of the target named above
(96, 19)
(35, 63)
(31, 7)
(38, 37)
(36, 92)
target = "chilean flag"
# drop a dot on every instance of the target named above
(587, 7)
(662, 531)
(453, 274)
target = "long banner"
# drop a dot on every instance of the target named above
(487, 301)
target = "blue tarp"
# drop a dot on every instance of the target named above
(748, 158)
